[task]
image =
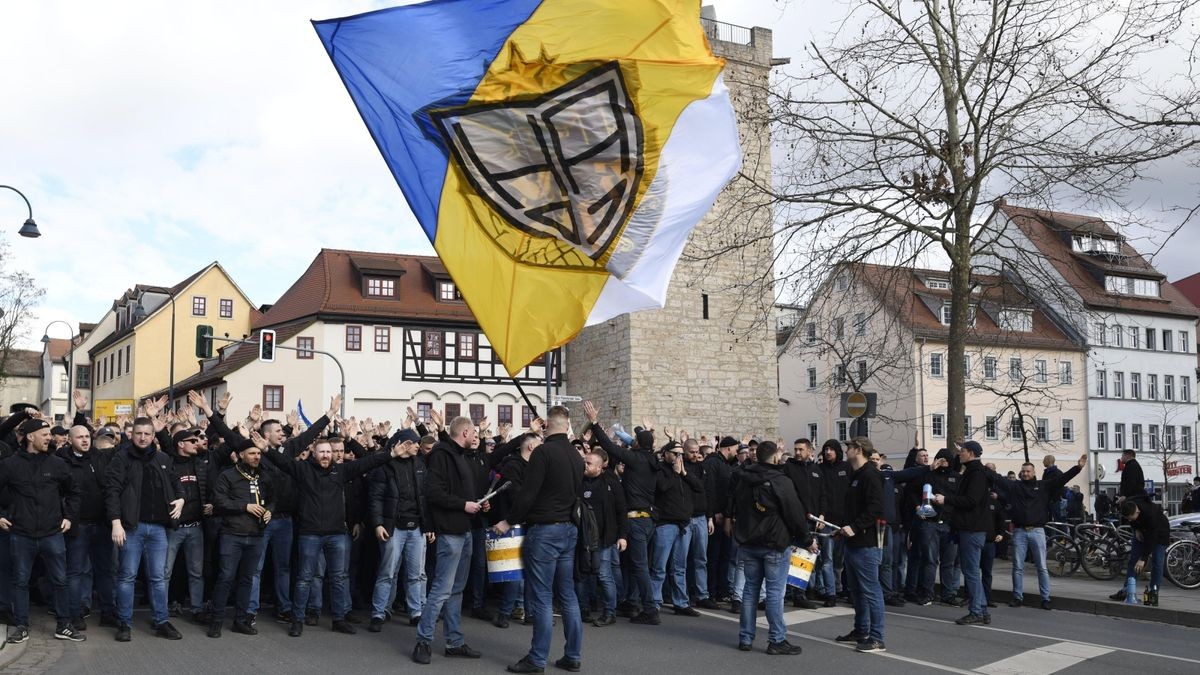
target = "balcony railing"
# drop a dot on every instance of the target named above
(727, 32)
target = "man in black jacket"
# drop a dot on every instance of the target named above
(510, 469)
(603, 492)
(89, 541)
(768, 518)
(701, 526)
(395, 504)
(970, 520)
(1151, 535)
(42, 501)
(243, 498)
(142, 500)
(862, 531)
(674, 487)
(809, 482)
(943, 551)
(835, 472)
(718, 472)
(452, 497)
(1133, 481)
(191, 472)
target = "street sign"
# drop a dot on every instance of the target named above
(563, 398)
(856, 404)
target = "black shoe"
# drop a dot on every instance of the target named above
(79, 624)
(735, 607)
(202, 618)
(912, 597)
(242, 626)
(990, 604)
(708, 603)
(342, 626)
(783, 648)
(311, 619)
(414, 620)
(605, 619)
(296, 629)
(85, 611)
(69, 633)
(871, 646)
(971, 619)
(954, 602)
(568, 665)
(108, 621)
(500, 620)
(925, 601)
(525, 666)
(853, 637)
(421, 653)
(214, 629)
(167, 631)
(830, 601)
(124, 633)
(284, 618)
(174, 610)
(894, 601)
(584, 616)
(1046, 604)
(518, 614)
(481, 614)
(1016, 602)
(745, 646)
(1119, 595)
(646, 619)
(351, 617)
(627, 610)
(18, 634)
(686, 611)
(463, 651)
(376, 625)
(803, 603)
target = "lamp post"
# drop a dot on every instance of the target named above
(70, 358)
(29, 229)
(171, 367)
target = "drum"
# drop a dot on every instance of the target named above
(504, 555)
(801, 568)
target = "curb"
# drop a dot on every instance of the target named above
(1105, 607)
(10, 653)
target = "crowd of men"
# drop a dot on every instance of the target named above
(364, 522)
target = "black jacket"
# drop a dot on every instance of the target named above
(40, 493)
(700, 504)
(553, 483)
(511, 470)
(322, 492)
(970, 505)
(945, 482)
(864, 506)
(1028, 500)
(191, 473)
(88, 473)
(386, 486)
(673, 494)
(607, 499)
(809, 482)
(894, 485)
(449, 485)
(123, 488)
(234, 489)
(718, 472)
(1153, 525)
(1133, 481)
(767, 511)
(641, 471)
(836, 477)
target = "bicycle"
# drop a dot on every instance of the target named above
(1103, 550)
(1062, 552)
(1182, 566)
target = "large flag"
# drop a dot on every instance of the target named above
(557, 153)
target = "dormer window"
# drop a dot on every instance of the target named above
(946, 312)
(1020, 320)
(380, 287)
(448, 292)
(938, 284)
(1147, 288)
(1090, 243)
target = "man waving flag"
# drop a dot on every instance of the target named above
(557, 153)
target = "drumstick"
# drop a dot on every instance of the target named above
(495, 492)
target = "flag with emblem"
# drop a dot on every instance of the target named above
(557, 153)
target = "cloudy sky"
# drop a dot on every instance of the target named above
(153, 138)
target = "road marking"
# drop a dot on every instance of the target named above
(799, 616)
(1045, 660)
(1050, 637)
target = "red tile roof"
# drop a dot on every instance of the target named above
(59, 348)
(23, 363)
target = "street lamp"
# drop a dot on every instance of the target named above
(70, 357)
(29, 229)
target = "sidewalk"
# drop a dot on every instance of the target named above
(1081, 593)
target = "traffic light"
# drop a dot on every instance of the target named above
(266, 346)
(204, 342)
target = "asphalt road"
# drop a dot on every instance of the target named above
(919, 640)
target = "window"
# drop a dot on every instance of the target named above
(1068, 430)
(1185, 439)
(476, 410)
(466, 346)
(841, 432)
(272, 397)
(1135, 436)
(812, 432)
(946, 314)
(1039, 371)
(1185, 389)
(839, 328)
(812, 378)
(381, 288)
(1168, 341)
(383, 339)
(199, 305)
(304, 347)
(1169, 437)
(1101, 435)
(968, 428)
(1064, 372)
(503, 414)
(1043, 429)
(862, 373)
(1135, 338)
(938, 425)
(1152, 387)
(1147, 288)
(1016, 428)
(128, 361)
(841, 375)
(1118, 436)
(704, 305)
(1152, 438)
(1101, 383)
(966, 366)
(842, 282)
(448, 292)
(83, 377)
(120, 356)
(1020, 320)
(1168, 387)
(1090, 243)
(432, 342)
(989, 368)
(810, 332)
(1135, 386)
(1014, 369)
(526, 416)
(860, 324)
(64, 383)
(1118, 384)
(423, 411)
(1151, 334)
(226, 308)
(863, 429)
(1100, 335)
(1118, 336)
(938, 284)
(990, 431)
(354, 338)
(452, 410)
(1183, 342)
(935, 365)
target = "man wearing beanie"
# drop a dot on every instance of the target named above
(396, 506)
(970, 519)
(718, 473)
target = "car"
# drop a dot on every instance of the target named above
(1185, 521)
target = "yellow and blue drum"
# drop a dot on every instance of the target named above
(504, 555)
(799, 571)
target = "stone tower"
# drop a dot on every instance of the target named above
(706, 362)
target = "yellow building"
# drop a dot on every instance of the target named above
(137, 357)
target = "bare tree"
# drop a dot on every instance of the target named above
(914, 115)
(19, 294)
(1165, 438)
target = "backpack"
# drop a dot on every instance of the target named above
(587, 550)
(766, 520)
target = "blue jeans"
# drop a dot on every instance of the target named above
(445, 596)
(899, 555)
(145, 546)
(1158, 557)
(407, 546)
(1033, 540)
(549, 553)
(277, 538)
(239, 556)
(736, 576)
(925, 542)
(666, 538)
(862, 575)
(600, 584)
(478, 579)
(697, 558)
(761, 563)
(947, 558)
(512, 596)
(970, 551)
(826, 574)
(191, 539)
(334, 548)
(53, 551)
(641, 538)
(91, 549)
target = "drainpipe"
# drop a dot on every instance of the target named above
(919, 372)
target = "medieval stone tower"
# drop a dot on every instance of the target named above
(706, 362)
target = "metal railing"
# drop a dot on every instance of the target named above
(727, 32)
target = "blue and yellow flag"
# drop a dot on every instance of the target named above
(557, 153)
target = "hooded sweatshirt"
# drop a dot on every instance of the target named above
(766, 509)
(836, 475)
